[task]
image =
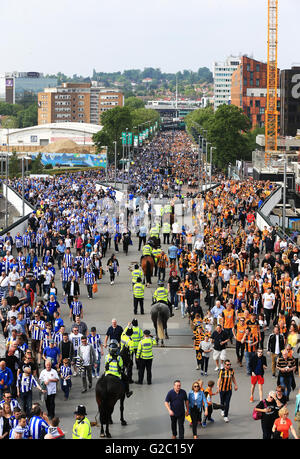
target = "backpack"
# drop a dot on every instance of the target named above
(257, 415)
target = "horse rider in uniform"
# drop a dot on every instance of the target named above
(114, 366)
(161, 295)
(138, 295)
(137, 272)
(145, 356)
(82, 427)
(127, 343)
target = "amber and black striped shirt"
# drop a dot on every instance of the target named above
(225, 379)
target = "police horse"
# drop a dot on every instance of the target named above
(109, 389)
(160, 314)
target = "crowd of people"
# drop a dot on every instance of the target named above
(236, 284)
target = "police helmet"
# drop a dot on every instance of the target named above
(129, 331)
(113, 348)
(161, 283)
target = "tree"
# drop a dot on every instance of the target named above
(114, 122)
(14, 165)
(225, 132)
(36, 164)
(134, 102)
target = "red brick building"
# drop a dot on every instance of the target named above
(249, 90)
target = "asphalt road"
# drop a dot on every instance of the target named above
(145, 412)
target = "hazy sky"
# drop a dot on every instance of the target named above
(75, 36)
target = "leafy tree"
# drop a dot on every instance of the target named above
(36, 165)
(134, 102)
(225, 131)
(14, 165)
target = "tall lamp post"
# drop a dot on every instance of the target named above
(115, 142)
(206, 158)
(23, 200)
(210, 172)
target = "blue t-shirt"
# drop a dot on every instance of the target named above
(52, 353)
(176, 401)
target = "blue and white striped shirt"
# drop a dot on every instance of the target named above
(36, 427)
(76, 307)
(89, 278)
(96, 342)
(26, 383)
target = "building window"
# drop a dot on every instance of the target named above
(248, 67)
(257, 82)
(257, 67)
(257, 103)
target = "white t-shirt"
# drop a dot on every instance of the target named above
(268, 300)
(226, 273)
(45, 376)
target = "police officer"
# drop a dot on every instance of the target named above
(155, 254)
(147, 249)
(137, 272)
(166, 230)
(138, 295)
(82, 427)
(145, 357)
(127, 346)
(136, 337)
(114, 366)
(161, 296)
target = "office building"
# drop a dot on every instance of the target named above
(290, 101)
(15, 86)
(222, 80)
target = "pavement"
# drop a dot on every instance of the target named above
(145, 412)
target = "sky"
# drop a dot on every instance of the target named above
(73, 36)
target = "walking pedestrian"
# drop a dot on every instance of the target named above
(177, 403)
(226, 378)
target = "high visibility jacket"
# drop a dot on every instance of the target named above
(135, 274)
(114, 363)
(127, 341)
(82, 430)
(154, 231)
(136, 336)
(138, 290)
(168, 209)
(161, 294)
(162, 211)
(156, 253)
(147, 249)
(144, 350)
(166, 228)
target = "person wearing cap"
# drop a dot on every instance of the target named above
(82, 427)
(161, 295)
(267, 408)
(138, 295)
(127, 343)
(145, 357)
(136, 337)
(136, 273)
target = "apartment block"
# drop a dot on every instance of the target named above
(76, 102)
(249, 90)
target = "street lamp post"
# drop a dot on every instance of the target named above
(199, 160)
(206, 158)
(115, 162)
(210, 172)
(284, 193)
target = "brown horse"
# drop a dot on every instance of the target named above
(147, 264)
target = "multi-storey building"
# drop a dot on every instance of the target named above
(290, 101)
(76, 102)
(15, 86)
(222, 80)
(249, 90)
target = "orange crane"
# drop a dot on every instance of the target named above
(271, 115)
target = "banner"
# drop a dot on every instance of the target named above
(72, 159)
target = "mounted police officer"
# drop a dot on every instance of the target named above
(114, 366)
(161, 295)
